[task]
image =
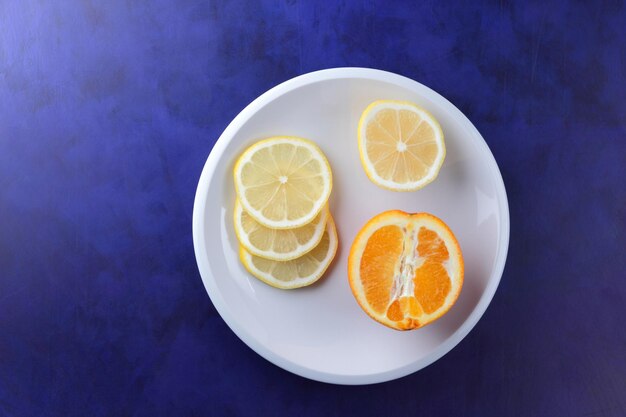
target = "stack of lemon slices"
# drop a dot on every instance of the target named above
(286, 233)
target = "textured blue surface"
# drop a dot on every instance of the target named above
(109, 109)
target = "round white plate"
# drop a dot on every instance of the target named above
(320, 332)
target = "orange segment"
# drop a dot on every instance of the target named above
(378, 263)
(431, 246)
(404, 307)
(405, 270)
(394, 312)
(432, 286)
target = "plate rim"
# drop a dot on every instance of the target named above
(202, 261)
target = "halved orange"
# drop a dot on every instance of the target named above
(405, 270)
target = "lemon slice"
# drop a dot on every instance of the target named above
(278, 244)
(298, 272)
(401, 145)
(283, 182)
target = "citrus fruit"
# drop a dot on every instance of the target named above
(283, 182)
(405, 270)
(278, 244)
(298, 272)
(401, 145)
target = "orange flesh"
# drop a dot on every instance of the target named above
(381, 265)
(378, 263)
(432, 283)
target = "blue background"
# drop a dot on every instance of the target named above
(108, 111)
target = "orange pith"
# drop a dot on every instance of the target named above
(405, 270)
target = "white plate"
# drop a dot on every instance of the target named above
(320, 332)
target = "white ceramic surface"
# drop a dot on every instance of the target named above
(320, 332)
